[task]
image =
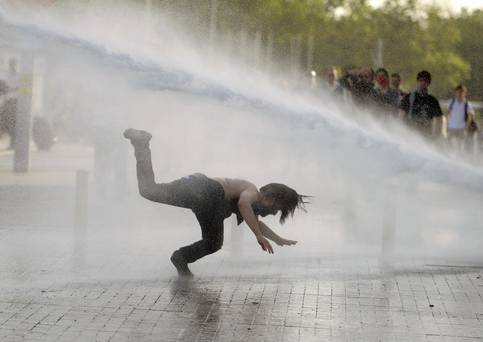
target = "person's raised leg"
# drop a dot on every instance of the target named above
(177, 193)
(144, 167)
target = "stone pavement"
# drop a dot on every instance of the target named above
(333, 302)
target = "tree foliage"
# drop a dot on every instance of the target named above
(470, 48)
(344, 33)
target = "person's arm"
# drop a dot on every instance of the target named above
(471, 116)
(247, 197)
(447, 116)
(270, 234)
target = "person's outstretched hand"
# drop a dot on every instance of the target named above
(286, 242)
(266, 246)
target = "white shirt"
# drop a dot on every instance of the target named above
(457, 115)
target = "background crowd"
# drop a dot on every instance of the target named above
(456, 122)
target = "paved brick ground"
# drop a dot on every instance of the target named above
(232, 298)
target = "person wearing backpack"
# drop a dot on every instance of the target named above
(460, 118)
(418, 108)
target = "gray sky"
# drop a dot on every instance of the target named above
(455, 5)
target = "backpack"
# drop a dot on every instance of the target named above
(473, 127)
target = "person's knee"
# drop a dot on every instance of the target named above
(218, 244)
(215, 245)
(146, 193)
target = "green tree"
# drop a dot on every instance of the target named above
(470, 47)
(441, 56)
(345, 32)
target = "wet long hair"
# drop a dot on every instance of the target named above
(286, 198)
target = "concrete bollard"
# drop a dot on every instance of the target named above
(389, 226)
(81, 198)
(23, 116)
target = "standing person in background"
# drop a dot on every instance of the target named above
(366, 89)
(460, 118)
(387, 98)
(331, 82)
(360, 84)
(419, 108)
(396, 86)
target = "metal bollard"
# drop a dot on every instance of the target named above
(81, 198)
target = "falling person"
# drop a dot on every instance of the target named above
(212, 200)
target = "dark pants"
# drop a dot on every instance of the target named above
(204, 196)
